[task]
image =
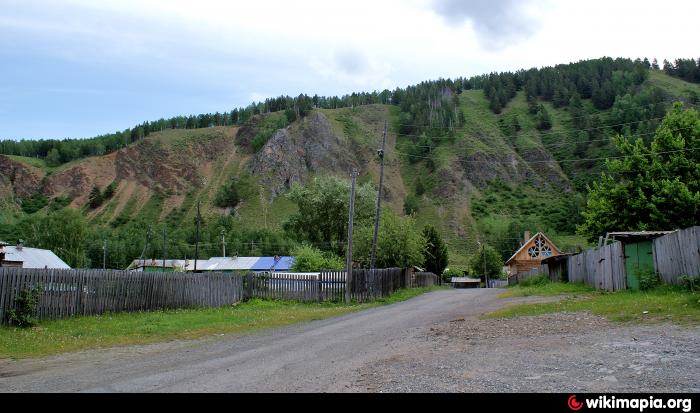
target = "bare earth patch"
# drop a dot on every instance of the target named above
(551, 353)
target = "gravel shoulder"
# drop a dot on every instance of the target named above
(432, 343)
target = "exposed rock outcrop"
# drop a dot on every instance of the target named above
(23, 180)
(299, 150)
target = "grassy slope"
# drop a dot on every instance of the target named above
(110, 330)
(659, 305)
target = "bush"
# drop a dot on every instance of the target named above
(410, 205)
(310, 259)
(692, 284)
(648, 279)
(24, 313)
(541, 279)
(34, 204)
(227, 197)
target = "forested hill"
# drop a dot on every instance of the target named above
(601, 80)
(482, 158)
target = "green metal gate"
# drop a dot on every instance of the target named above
(638, 258)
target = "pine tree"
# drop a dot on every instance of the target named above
(95, 198)
(436, 257)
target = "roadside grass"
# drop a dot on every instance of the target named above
(124, 329)
(547, 290)
(666, 303)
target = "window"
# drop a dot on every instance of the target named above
(540, 249)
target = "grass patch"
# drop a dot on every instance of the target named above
(546, 290)
(123, 329)
(662, 304)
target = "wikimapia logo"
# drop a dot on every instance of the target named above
(574, 404)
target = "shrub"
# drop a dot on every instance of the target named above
(648, 279)
(227, 197)
(541, 279)
(692, 284)
(410, 205)
(24, 312)
(310, 259)
(34, 204)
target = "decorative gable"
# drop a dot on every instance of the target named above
(535, 249)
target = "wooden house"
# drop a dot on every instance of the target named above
(531, 253)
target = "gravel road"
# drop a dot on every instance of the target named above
(432, 343)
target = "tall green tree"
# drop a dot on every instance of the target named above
(400, 243)
(436, 257)
(322, 218)
(64, 232)
(487, 257)
(654, 187)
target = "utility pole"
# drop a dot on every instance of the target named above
(486, 275)
(196, 242)
(145, 247)
(104, 253)
(223, 241)
(165, 250)
(379, 198)
(351, 215)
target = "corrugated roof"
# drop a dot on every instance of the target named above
(465, 280)
(34, 258)
(638, 234)
(269, 264)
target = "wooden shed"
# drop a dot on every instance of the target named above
(530, 255)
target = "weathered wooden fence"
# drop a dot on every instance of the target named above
(424, 279)
(677, 254)
(65, 293)
(366, 285)
(520, 277)
(602, 268)
(498, 283)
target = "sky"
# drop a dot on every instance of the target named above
(81, 68)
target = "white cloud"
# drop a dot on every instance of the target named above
(273, 47)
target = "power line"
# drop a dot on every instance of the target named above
(557, 161)
(686, 104)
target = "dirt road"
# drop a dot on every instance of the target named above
(434, 342)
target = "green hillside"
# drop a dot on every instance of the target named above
(476, 174)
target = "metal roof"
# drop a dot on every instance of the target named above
(34, 258)
(465, 280)
(222, 264)
(269, 264)
(230, 264)
(637, 234)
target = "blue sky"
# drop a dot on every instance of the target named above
(80, 68)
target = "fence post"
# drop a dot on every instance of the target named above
(248, 286)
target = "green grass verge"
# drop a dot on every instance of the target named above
(547, 290)
(662, 304)
(123, 329)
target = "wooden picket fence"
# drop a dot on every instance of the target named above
(65, 293)
(678, 254)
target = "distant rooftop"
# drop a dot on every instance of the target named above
(34, 257)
